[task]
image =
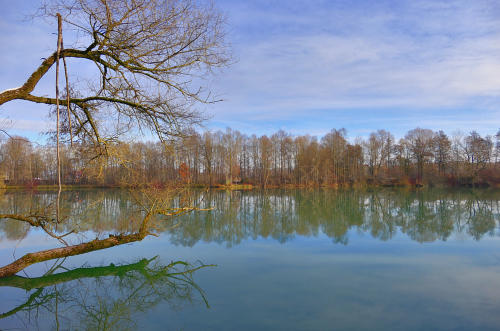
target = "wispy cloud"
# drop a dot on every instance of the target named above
(308, 66)
(409, 55)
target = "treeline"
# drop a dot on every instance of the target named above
(421, 157)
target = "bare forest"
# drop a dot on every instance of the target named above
(421, 157)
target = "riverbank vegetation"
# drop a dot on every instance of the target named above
(232, 159)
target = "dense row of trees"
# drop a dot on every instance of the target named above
(422, 156)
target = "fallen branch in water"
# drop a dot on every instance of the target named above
(97, 244)
(56, 253)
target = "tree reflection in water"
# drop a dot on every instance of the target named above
(102, 298)
(109, 297)
(422, 215)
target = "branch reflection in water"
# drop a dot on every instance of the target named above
(149, 205)
(102, 298)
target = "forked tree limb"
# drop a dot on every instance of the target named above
(30, 84)
(41, 221)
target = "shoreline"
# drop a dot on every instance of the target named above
(242, 187)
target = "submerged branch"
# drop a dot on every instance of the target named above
(56, 253)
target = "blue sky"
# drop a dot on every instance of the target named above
(310, 66)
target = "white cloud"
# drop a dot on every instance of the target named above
(428, 55)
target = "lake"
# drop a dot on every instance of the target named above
(266, 260)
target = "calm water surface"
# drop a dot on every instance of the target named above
(282, 260)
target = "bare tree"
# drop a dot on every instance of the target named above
(146, 53)
(16, 161)
(478, 151)
(207, 151)
(497, 147)
(420, 143)
(442, 150)
(232, 146)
